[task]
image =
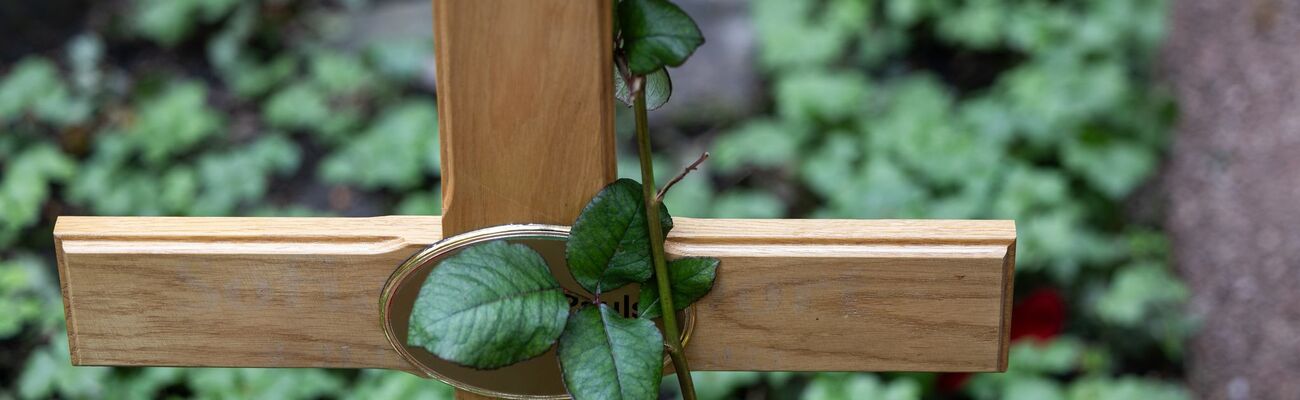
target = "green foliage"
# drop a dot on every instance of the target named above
(656, 34)
(421, 203)
(1115, 169)
(48, 371)
(26, 187)
(301, 106)
(758, 143)
(718, 385)
(230, 179)
(1063, 103)
(393, 153)
(217, 183)
(652, 35)
(848, 387)
(1031, 366)
(340, 73)
(28, 294)
(606, 356)
(795, 34)
(690, 278)
(1127, 388)
(806, 96)
(172, 122)
(489, 306)
(241, 129)
(1041, 112)
(747, 204)
(329, 102)
(34, 88)
(402, 59)
(689, 198)
(907, 144)
(170, 21)
(229, 383)
(1137, 294)
(380, 384)
(608, 245)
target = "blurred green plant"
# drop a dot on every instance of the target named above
(1035, 110)
(1038, 111)
(82, 134)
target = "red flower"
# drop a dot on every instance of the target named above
(1040, 315)
(951, 382)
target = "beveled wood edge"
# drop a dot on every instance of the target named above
(1008, 301)
(65, 290)
(844, 231)
(426, 229)
(150, 235)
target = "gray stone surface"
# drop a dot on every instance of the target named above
(1234, 190)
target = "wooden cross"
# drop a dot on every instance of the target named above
(527, 121)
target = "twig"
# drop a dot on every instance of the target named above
(694, 166)
(657, 257)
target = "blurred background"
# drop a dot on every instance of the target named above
(1060, 114)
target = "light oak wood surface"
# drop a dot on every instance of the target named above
(869, 295)
(525, 101)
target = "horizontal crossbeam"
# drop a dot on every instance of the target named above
(799, 295)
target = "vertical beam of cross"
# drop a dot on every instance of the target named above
(526, 110)
(527, 121)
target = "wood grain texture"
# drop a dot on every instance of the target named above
(302, 292)
(525, 101)
(242, 292)
(846, 295)
(525, 98)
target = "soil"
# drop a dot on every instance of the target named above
(1233, 186)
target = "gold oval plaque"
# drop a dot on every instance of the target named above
(536, 378)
